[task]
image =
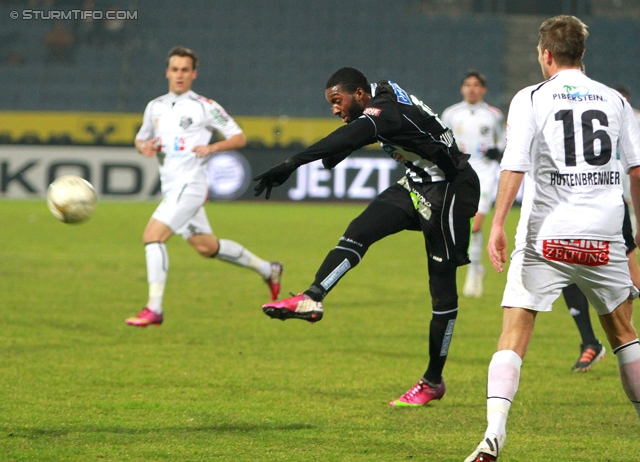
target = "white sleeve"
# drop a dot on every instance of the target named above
(629, 140)
(521, 128)
(500, 132)
(146, 131)
(218, 119)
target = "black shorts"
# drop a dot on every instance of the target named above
(441, 210)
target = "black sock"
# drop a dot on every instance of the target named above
(579, 307)
(440, 334)
(333, 268)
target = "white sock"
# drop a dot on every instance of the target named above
(502, 385)
(475, 251)
(235, 253)
(629, 363)
(157, 269)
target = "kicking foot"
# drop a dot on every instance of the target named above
(300, 306)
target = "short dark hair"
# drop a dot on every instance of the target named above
(477, 74)
(623, 90)
(564, 36)
(183, 51)
(350, 79)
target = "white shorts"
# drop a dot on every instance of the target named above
(488, 174)
(182, 210)
(535, 282)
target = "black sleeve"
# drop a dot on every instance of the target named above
(334, 159)
(343, 141)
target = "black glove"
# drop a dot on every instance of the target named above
(273, 177)
(493, 154)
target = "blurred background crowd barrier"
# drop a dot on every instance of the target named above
(80, 72)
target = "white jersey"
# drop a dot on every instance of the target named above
(626, 182)
(477, 128)
(563, 133)
(636, 115)
(181, 122)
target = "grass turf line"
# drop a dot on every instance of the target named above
(221, 381)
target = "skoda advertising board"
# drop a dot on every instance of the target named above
(123, 174)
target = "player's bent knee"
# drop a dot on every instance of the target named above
(442, 285)
(156, 231)
(207, 248)
(206, 253)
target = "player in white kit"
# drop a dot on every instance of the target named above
(479, 131)
(633, 262)
(626, 93)
(562, 137)
(176, 129)
(591, 350)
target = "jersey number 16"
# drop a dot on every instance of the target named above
(589, 137)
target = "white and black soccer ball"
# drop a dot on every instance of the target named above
(71, 199)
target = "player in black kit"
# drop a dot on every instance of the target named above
(438, 195)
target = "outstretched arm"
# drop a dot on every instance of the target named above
(507, 190)
(341, 142)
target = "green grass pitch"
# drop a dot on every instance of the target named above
(221, 381)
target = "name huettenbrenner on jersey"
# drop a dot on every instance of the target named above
(584, 178)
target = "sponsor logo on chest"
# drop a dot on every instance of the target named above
(185, 122)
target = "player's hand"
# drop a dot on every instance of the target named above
(203, 151)
(273, 177)
(494, 154)
(149, 148)
(497, 248)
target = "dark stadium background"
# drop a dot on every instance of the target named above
(267, 61)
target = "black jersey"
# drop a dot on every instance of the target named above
(406, 128)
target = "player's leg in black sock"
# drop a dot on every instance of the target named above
(579, 308)
(345, 256)
(446, 231)
(445, 311)
(384, 216)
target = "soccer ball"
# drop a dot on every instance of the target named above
(71, 199)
